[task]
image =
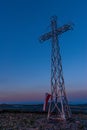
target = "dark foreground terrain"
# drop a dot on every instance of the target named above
(38, 121)
(31, 117)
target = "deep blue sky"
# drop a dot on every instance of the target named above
(25, 63)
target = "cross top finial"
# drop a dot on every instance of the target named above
(53, 18)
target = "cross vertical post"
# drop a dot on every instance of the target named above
(58, 105)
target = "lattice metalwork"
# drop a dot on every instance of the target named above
(58, 105)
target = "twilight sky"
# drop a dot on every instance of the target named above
(25, 63)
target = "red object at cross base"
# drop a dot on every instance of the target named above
(47, 97)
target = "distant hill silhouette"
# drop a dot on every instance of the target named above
(79, 108)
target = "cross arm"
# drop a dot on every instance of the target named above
(58, 31)
(45, 37)
(64, 28)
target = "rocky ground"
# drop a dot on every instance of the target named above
(34, 121)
